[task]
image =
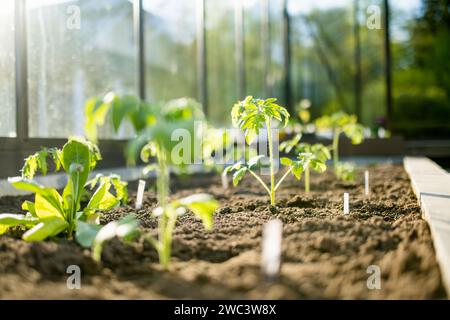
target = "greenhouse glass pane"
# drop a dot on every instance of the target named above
(420, 37)
(322, 44)
(276, 70)
(171, 49)
(221, 68)
(7, 74)
(372, 64)
(254, 48)
(77, 49)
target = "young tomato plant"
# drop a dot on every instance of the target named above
(201, 205)
(155, 127)
(52, 213)
(311, 156)
(341, 122)
(251, 115)
(316, 157)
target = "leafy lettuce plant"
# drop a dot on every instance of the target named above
(251, 115)
(341, 122)
(311, 156)
(52, 214)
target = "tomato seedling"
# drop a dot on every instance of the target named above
(201, 205)
(341, 122)
(312, 157)
(155, 127)
(251, 115)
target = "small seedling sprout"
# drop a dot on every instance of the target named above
(341, 123)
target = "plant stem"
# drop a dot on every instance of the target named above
(282, 178)
(307, 180)
(163, 178)
(336, 135)
(272, 171)
(260, 181)
(166, 226)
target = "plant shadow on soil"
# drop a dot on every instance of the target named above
(325, 254)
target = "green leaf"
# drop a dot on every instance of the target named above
(355, 132)
(76, 161)
(203, 207)
(49, 206)
(238, 175)
(317, 165)
(126, 228)
(86, 233)
(286, 161)
(297, 170)
(27, 185)
(3, 229)
(98, 196)
(8, 220)
(46, 228)
(255, 162)
(29, 206)
(120, 187)
(250, 135)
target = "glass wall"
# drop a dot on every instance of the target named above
(76, 49)
(421, 70)
(373, 86)
(7, 73)
(171, 48)
(81, 48)
(322, 45)
(276, 70)
(254, 48)
(220, 59)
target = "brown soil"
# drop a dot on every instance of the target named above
(325, 254)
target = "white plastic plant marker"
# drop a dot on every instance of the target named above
(271, 248)
(366, 183)
(140, 194)
(346, 205)
(224, 181)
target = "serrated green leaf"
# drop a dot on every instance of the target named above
(286, 161)
(203, 207)
(238, 175)
(125, 228)
(255, 162)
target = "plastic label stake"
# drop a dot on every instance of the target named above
(366, 183)
(224, 181)
(271, 248)
(346, 205)
(140, 194)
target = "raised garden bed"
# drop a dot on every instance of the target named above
(325, 254)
